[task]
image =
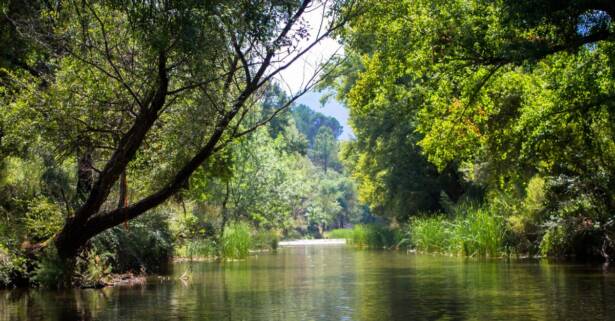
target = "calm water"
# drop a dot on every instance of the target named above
(339, 283)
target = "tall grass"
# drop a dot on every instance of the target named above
(367, 236)
(431, 234)
(199, 248)
(236, 241)
(340, 233)
(472, 231)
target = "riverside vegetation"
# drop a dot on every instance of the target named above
(135, 131)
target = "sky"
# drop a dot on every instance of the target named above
(295, 77)
(331, 108)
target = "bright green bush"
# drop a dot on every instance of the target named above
(555, 241)
(43, 219)
(236, 241)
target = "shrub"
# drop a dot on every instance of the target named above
(51, 271)
(92, 269)
(145, 244)
(575, 236)
(12, 269)
(43, 219)
(266, 240)
(555, 241)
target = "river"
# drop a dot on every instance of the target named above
(339, 283)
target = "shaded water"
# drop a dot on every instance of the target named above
(339, 283)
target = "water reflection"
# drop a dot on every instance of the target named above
(337, 283)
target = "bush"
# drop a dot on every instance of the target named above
(555, 242)
(51, 271)
(575, 236)
(43, 219)
(92, 268)
(266, 240)
(236, 241)
(145, 244)
(525, 217)
(12, 269)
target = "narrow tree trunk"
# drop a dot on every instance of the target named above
(85, 176)
(224, 209)
(123, 198)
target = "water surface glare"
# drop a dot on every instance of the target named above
(339, 283)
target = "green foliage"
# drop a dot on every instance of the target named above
(473, 231)
(13, 269)
(556, 240)
(51, 271)
(196, 248)
(309, 123)
(144, 244)
(324, 151)
(510, 98)
(236, 241)
(340, 233)
(526, 217)
(43, 219)
(265, 239)
(368, 236)
(431, 234)
(479, 233)
(93, 269)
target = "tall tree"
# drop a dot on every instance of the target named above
(132, 76)
(325, 150)
(498, 91)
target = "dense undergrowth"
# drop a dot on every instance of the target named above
(496, 229)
